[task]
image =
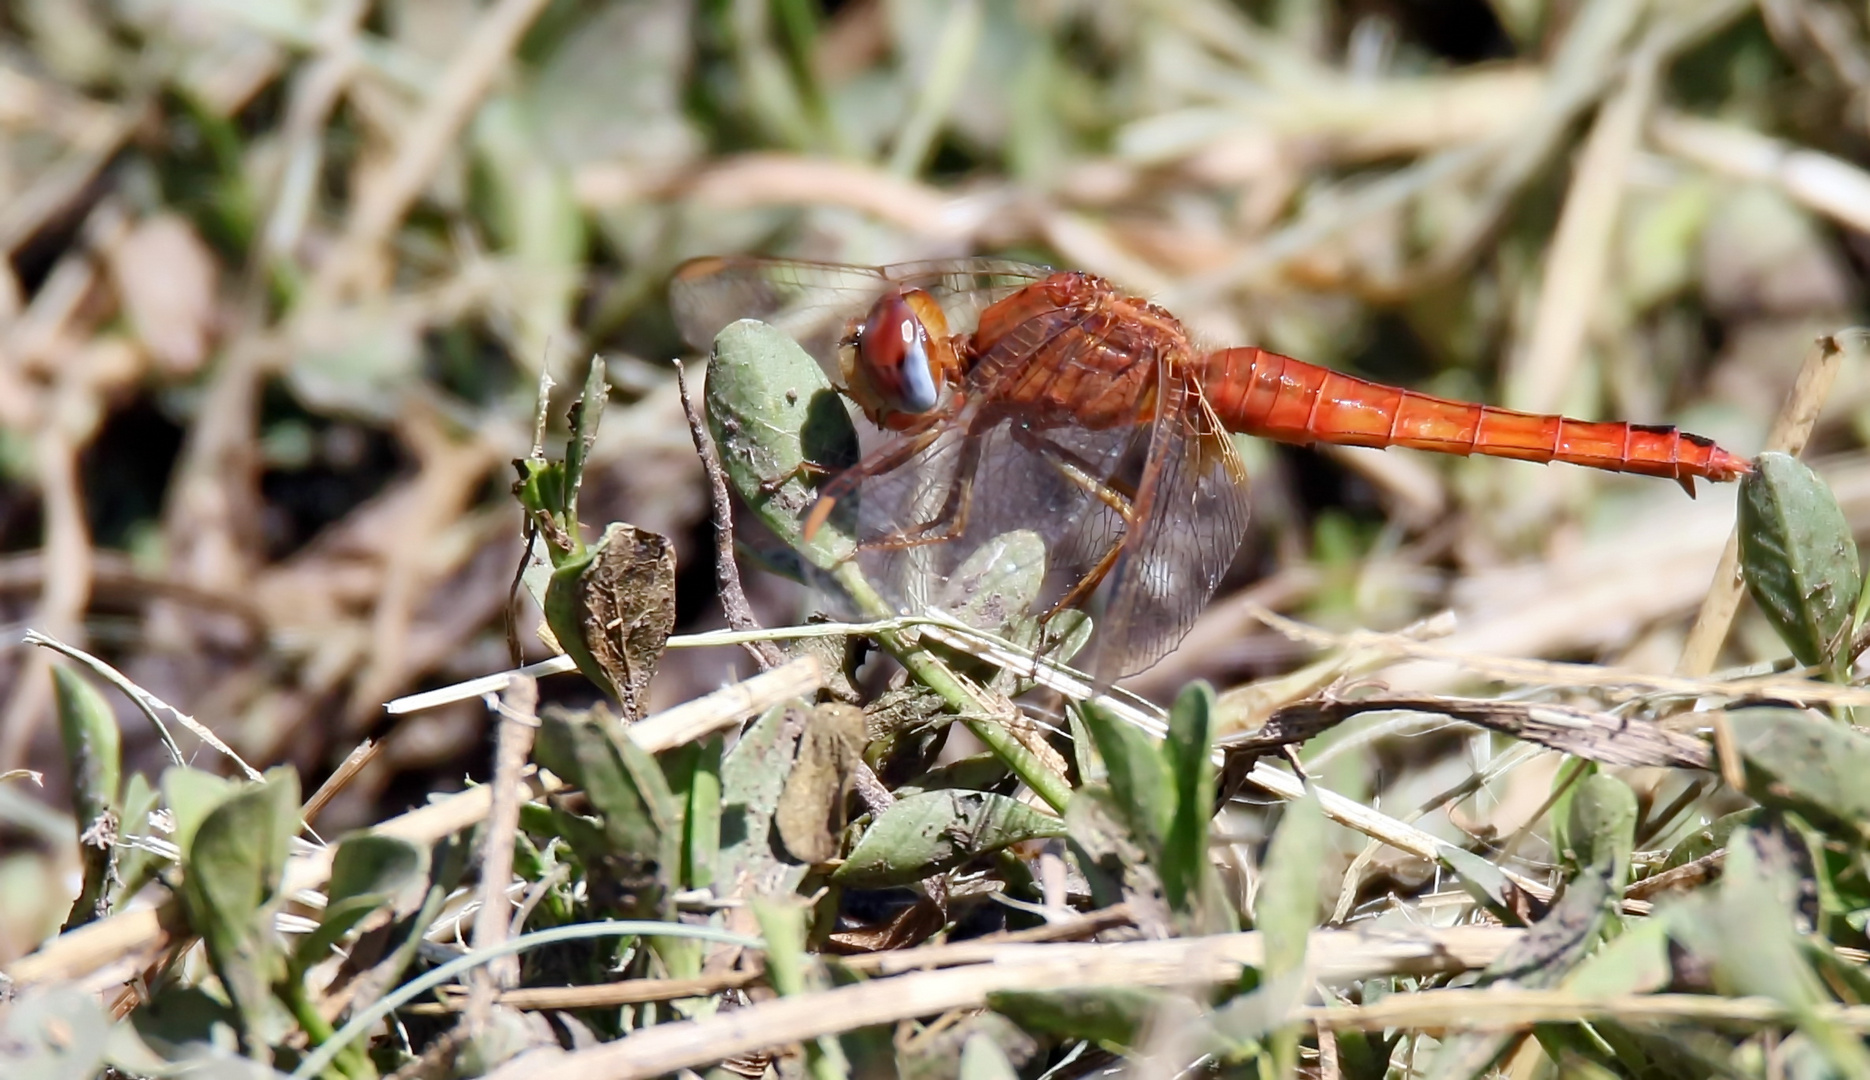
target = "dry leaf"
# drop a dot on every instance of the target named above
(811, 810)
(166, 277)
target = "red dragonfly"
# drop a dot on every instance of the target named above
(1018, 398)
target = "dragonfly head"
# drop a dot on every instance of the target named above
(900, 358)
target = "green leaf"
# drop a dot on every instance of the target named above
(541, 489)
(753, 774)
(368, 871)
(1483, 881)
(976, 772)
(640, 819)
(1812, 766)
(93, 745)
(788, 969)
(1114, 1015)
(1139, 776)
(937, 831)
(238, 854)
(781, 428)
(181, 1022)
(1287, 907)
(1799, 559)
(998, 582)
(136, 864)
(231, 885)
(1244, 1022)
(1602, 828)
(548, 490)
(782, 926)
(1746, 933)
(1116, 868)
(694, 773)
(1603, 820)
(1185, 864)
(586, 415)
(93, 753)
(1634, 962)
(191, 795)
(1285, 912)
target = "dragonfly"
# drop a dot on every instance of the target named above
(1010, 398)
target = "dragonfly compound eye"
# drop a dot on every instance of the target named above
(893, 350)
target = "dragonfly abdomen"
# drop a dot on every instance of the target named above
(1263, 393)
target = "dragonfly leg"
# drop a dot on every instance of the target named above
(1087, 584)
(948, 522)
(1112, 493)
(804, 470)
(1118, 496)
(889, 457)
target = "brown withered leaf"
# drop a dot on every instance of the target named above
(627, 601)
(1602, 737)
(167, 279)
(811, 809)
(910, 926)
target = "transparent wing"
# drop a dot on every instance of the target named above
(814, 301)
(980, 487)
(1190, 518)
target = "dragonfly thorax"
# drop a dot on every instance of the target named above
(899, 360)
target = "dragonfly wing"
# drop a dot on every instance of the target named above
(981, 496)
(814, 302)
(1191, 515)
(810, 301)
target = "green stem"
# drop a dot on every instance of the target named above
(962, 698)
(350, 1061)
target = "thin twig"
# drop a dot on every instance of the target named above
(365, 753)
(1541, 672)
(515, 724)
(150, 705)
(603, 995)
(726, 568)
(1331, 954)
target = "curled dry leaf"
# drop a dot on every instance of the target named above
(620, 608)
(811, 808)
(166, 278)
